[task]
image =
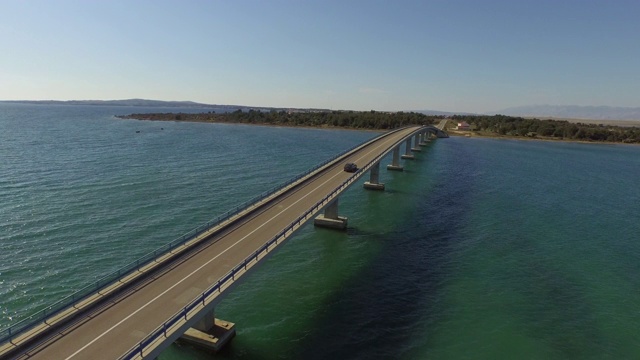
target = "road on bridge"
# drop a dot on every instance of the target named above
(112, 330)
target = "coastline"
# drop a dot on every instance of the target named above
(173, 117)
(471, 134)
(318, 127)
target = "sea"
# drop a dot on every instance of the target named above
(480, 249)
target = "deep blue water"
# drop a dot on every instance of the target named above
(481, 249)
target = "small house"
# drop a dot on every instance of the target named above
(463, 125)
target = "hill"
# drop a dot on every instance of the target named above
(574, 112)
(152, 103)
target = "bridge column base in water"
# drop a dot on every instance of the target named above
(210, 333)
(331, 219)
(374, 182)
(373, 186)
(426, 139)
(340, 223)
(416, 146)
(395, 163)
(407, 154)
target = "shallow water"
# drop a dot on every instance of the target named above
(482, 248)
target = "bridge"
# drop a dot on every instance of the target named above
(138, 311)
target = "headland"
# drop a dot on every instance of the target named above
(498, 126)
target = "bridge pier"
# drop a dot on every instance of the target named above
(407, 154)
(423, 138)
(395, 163)
(416, 142)
(331, 219)
(374, 179)
(210, 333)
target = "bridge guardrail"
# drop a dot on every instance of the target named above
(138, 350)
(42, 315)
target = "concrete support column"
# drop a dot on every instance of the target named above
(210, 333)
(395, 163)
(331, 211)
(331, 219)
(407, 154)
(423, 138)
(416, 143)
(374, 183)
(205, 323)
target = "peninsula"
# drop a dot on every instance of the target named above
(372, 120)
(477, 125)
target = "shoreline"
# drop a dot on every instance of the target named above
(470, 134)
(317, 127)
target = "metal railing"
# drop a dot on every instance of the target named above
(41, 316)
(215, 289)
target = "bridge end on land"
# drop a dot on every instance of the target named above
(441, 127)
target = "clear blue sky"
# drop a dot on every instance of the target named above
(472, 55)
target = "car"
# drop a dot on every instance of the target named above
(350, 167)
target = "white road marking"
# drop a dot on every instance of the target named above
(207, 263)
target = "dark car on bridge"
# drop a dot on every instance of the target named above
(350, 167)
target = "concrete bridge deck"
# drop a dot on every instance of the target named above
(115, 322)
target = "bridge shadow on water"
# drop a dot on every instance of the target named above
(379, 311)
(395, 297)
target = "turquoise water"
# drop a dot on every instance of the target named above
(481, 249)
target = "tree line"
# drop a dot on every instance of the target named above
(498, 125)
(343, 119)
(554, 129)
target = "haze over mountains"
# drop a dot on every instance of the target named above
(150, 103)
(541, 111)
(574, 112)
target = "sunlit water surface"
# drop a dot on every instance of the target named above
(480, 249)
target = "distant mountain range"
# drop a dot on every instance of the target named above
(574, 112)
(540, 111)
(129, 102)
(445, 113)
(151, 103)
